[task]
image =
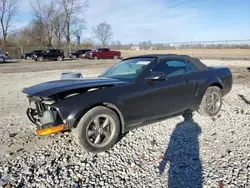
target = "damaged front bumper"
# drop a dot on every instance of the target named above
(46, 118)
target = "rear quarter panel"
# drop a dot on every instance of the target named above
(221, 77)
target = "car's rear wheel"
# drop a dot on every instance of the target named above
(59, 58)
(95, 58)
(98, 130)
(211, 102)
(40, 59)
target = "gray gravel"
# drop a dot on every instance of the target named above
(191, 152)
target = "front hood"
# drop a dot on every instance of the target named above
(47, 89)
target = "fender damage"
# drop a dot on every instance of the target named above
(44, 97)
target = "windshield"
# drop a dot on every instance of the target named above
(127, 69)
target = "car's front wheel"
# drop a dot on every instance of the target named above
(211, 102)
(98, 130)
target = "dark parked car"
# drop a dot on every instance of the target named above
(79, 53)
(3, 57)
(50, 54)
(31, 54)
(134, 92)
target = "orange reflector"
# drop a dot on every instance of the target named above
(51, 130)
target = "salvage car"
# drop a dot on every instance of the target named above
(136, 91)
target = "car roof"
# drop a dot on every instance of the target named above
(194, 60)
(161, 56)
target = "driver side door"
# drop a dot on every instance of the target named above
(157, 98)
(176, 93)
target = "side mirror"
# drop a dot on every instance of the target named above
(156, 76)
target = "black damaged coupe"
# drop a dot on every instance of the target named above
(135, 92)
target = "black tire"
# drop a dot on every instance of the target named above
(82, 130)
(40, 59)
(95, 58)
(207, 107)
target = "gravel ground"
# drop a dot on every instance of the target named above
(180, 152)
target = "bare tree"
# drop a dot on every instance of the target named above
(103, 32)
(33, 35)
(72, 9)
(8, 11)
(77, 28)
(45, 14)
(35, 31)
(59, 26)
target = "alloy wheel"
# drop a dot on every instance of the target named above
(100, 130)
(213, 102)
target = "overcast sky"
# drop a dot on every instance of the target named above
(164, 20)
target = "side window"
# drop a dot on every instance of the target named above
(191, 67)
(171, 67)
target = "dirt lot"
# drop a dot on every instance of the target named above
(227, 135)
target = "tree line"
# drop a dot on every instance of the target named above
(62, 22)
(55, 22)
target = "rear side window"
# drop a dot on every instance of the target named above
(191, 67)
(171, 67)
(175, 67)
(58, 51)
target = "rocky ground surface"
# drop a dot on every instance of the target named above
(204, 152)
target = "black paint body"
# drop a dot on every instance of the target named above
(138, 102)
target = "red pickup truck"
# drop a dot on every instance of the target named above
(103, 53)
